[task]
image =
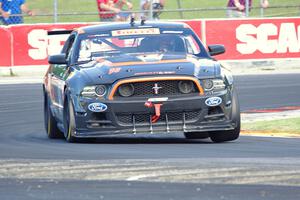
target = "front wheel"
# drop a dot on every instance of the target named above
(223, 136)
(69, 121)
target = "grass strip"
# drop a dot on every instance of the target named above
(290, 126)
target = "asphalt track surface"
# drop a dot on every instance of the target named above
(147, 167)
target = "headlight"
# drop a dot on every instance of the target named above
(208, 85)
(94, 91)
(100, 90)
(219, 84)
(186, 87)
(126, 90)
(213, 84)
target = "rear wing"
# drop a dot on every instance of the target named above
(60, 32)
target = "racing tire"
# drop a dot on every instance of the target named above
(196, 135)
(69, 121)
(49, 121)
(224, 136)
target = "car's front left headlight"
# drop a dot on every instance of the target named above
(213, 85)
(94, 91)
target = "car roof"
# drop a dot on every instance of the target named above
(126, 25)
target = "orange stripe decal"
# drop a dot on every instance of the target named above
(152, 79)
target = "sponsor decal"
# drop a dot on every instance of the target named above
(162, 99)
(142, 31)
(213, 101)
(154, 73)
(97, 107)
(114, 70)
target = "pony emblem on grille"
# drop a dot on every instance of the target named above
(156, 88)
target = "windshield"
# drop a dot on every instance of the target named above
(95, 45)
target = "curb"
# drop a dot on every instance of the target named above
(269, 116)
(269, 134)
(26, 72)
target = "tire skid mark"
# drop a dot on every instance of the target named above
(237, 176)
(154, 170)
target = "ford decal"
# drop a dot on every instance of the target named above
(213, 101)
(97, 107)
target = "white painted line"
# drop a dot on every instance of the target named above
(138, 177)
(7, 81)
(269, 136)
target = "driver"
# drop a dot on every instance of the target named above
(162, 44)
(166, 44)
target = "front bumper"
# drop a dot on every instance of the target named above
(188, 114)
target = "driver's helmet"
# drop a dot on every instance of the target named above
(166, 44)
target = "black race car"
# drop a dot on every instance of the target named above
(131, 78)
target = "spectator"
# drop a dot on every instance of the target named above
(123, 16)
(237, 8)
(13, 7)
(113, 6)
(157, 6)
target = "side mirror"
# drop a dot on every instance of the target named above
(57, 59)
(216, 49)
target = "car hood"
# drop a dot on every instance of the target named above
(111, 69)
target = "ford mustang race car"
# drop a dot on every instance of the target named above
(132, 78)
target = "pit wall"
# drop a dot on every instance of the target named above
(244, 39)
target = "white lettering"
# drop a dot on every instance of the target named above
(268, 38)
(38, 40)
(264, 44)
(56, 43)
(244, 34)
(288, 39)
(44, 45)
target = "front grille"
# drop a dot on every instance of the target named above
(166, 88)
(172, 117)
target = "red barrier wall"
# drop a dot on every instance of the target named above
(5, 47)
(32, 45)
(256, 38)
(243, 39)
(196, 25)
